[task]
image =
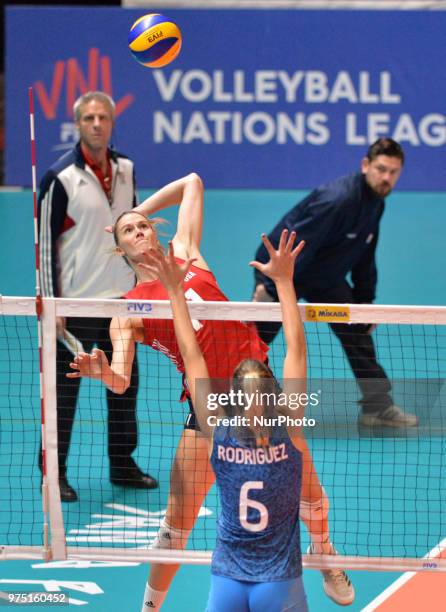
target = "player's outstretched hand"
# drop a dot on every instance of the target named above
(280, 266)
(168, 270)
(88, 365)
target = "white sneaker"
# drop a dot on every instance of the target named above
(392, 416)
(337, 585)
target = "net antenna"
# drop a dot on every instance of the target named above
(45, 506)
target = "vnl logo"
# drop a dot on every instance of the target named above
(70, 80)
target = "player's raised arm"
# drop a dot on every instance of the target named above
(280, 269)
(172, 274)
(188, 193)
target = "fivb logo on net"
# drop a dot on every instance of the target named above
(70, 79)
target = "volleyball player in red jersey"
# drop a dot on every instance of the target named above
(224, 344)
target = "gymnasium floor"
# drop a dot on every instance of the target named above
(410, 262)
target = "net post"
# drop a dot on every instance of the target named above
(38, 307)
(57, 548)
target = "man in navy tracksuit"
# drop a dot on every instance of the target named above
(339, 222)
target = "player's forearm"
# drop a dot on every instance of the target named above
(185, 333)
(292, 323)
(194, 363)
(169, 195)
(114, 380)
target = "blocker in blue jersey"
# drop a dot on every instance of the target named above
(258, 462)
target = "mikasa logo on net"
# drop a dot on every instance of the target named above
(329, 314)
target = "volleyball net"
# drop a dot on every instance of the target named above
(386, 485)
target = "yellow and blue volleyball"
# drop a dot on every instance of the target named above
(154, 40)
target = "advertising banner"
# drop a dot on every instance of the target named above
(259, 99)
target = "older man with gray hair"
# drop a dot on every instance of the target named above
(83, 192)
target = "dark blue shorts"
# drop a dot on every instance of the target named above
(191, 419)
(237, 596)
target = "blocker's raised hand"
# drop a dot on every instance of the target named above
(164, 265)
(281, 260)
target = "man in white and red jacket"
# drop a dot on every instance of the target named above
(81, 194)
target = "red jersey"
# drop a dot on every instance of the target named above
(224, 344)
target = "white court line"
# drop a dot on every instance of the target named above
(391, 589)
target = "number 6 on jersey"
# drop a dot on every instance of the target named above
(246, 502)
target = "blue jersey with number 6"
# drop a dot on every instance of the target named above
(258, 537)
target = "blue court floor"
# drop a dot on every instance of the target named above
(404, 474)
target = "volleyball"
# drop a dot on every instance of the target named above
(154, 40)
